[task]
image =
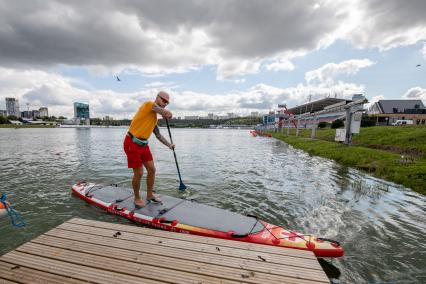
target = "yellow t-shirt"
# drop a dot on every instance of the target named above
(144, 121)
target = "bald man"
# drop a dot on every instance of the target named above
(144, 123)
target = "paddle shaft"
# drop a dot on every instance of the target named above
(174, 153)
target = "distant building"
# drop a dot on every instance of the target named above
(43, 111)
(35, 113)
(27, 114)
(389, 111)
(331, 110)
(12, 107)
(3, 112)
(81, 111)
(254, 114)
(316, 106)
(192, 117)
(210, 116)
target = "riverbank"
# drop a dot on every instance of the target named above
(397, 154)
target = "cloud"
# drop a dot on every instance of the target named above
(328, 72)
(260, 97)
(281, 64)
(415, 93)
(154, 38)
(160, 85)
(58, 93)
(373, 100)
(424, 51)
(164, 37)
(229, 69)
(388, 24)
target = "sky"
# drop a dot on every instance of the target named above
(218, 57)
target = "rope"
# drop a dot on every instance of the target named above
(94, 188)
(15, 217)
(270, 232)
(295, 235)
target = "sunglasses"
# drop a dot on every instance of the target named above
(164, 100)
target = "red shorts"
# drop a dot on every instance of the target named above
(136, 154)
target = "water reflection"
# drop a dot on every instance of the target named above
(381, 225)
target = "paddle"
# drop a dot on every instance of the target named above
(181, 186)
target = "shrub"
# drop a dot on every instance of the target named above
(3, 120)
(368, 121)
(337, 123)
(322, 124)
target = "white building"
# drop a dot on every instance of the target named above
(43, 111)
(12, 107)
(192, 117)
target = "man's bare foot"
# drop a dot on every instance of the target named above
(139, 203)
(153, 199)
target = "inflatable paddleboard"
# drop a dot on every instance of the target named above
(3, 211)
(188, 216)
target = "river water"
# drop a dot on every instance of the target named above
(381, 225)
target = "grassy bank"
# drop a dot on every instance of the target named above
(396, 154)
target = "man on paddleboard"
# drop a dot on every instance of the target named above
(144, 123)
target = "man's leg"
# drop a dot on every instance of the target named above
(136, 184)
(150, 179)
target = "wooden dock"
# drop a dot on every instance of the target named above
(82, 251)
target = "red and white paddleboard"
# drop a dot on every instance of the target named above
(188, 216)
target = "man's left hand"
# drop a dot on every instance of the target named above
(172, 146)
(167, 114)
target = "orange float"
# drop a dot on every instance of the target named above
(3, 211)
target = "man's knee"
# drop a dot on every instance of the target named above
(151, 170)
(138, 173)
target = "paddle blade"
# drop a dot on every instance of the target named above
(182, 187)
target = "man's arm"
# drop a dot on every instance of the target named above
(162, 139)
(164, 113)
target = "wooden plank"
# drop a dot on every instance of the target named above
(192, 238)
(111, 264)
(177, 251)
(12, 272)
(169, 262)
(5, 281)
(67, 269)
(235, 252)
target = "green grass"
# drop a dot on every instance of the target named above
(397, 154)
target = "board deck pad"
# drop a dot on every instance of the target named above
(187, 212)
